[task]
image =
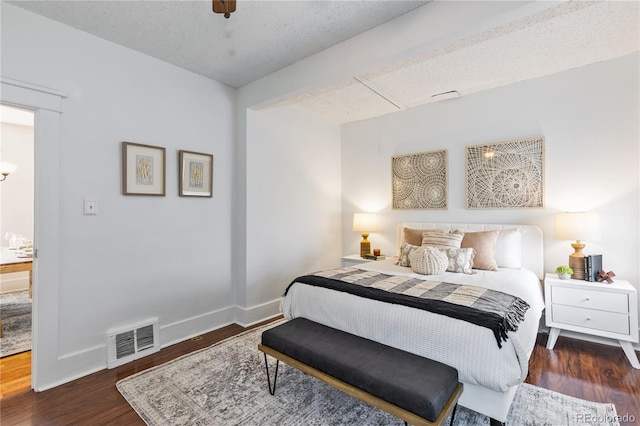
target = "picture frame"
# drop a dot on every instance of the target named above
(143, 169)
(505, 175)
(420, 181)
(195, 174)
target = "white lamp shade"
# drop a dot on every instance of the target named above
(365, 222)
(578, 226)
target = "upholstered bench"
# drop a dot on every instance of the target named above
(415, 389)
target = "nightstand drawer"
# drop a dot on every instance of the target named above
(598, 320)
(592, 299)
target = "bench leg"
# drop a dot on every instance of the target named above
(275, 377)
(453, 414)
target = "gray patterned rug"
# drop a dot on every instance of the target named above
(226, 384)
(15, 309)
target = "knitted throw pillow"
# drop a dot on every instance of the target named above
(428, 261)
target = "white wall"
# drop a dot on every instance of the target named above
(590, 120)
(16, 195)
(432, 25)
(140, 257)
(293, 203)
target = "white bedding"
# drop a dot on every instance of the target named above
(471, 349)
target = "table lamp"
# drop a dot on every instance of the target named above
(365, 223)
(578, 226)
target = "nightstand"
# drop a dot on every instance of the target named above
(595, 308)
(352, 260)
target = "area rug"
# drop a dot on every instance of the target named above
(226, 384)
(15, 310)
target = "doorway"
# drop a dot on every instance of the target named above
(16, 247)
(46, 104)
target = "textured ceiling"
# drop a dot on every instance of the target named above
(556, 39)
(262, 37)
(259, 38)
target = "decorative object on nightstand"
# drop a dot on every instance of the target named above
(578, 226)
(597, 309)
(592, 264)
(564, 272)
(365, 223)
(605, 276)
(374, 257)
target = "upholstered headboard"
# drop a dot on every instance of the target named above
(532, 244)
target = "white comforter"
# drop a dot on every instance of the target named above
(471, 349)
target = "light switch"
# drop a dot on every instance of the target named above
(90, 207)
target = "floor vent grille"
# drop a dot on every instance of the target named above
(133, 342)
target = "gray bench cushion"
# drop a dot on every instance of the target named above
(417, 384)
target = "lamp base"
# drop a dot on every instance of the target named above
(365, 245)
(577, 264)
(576, 261)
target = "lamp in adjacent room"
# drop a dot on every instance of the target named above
(6, 169)
(580, 227)
(365, 223)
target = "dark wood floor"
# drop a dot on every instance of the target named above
(582, 369)
(590, 371)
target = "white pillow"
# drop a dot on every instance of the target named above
(428, 261)
(509, 249)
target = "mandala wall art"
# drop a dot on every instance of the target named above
(419, 181)
(505, 175)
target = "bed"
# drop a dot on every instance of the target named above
(490, 373)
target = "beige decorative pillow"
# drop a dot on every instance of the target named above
(428, 261)
(460, 260)
(405, 251)
(484, 244)
(443, 240)
(414, 236)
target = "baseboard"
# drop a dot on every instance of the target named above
(186, 329)
(247, 317)
(72, 366)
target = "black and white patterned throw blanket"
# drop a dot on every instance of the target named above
(492, 309)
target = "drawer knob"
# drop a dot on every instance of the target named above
(588, 319)
(586, 299)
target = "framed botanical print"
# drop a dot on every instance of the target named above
(143, 169)
(195, 174)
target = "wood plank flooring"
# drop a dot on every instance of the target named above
(15, 374)
(590, 371)
(577, 368)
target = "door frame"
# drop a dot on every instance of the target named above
(47, 107)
